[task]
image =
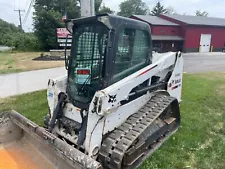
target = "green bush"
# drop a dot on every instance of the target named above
(25, 42)
(14, 37)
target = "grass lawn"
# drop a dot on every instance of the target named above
(18, 62)
(199, 143)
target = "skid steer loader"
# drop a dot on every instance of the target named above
(115, 107)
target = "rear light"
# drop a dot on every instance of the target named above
(83, 72)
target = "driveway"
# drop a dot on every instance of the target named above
(204, 62)
(19, 83)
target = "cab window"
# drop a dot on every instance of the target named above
(132, 53)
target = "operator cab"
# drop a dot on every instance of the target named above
(105, 49)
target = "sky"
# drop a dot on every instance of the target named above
(215, 8)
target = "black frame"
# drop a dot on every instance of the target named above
(114, 24)
(115, 47)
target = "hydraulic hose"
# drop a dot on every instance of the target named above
(61, 99)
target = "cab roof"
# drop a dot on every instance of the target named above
(111, 21)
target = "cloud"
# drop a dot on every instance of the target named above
(7, 11)
(113, 4)
(215, 8)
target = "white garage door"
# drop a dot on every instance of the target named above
(205, 42)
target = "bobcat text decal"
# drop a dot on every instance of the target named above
(175, 83)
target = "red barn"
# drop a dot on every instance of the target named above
(166, 35)
(194, 33)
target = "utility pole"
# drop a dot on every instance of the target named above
(21, 27)
(87, 8)
(19, 10)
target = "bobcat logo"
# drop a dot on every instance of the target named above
(112, 98)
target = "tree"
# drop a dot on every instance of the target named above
(158, 9)
(13, 36)
(131, 7)
(8, 32)
(97, 5)
(203, 13)
(101, 9)
(104, 9)
(47, 17)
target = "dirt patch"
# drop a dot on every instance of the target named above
(49, 58)
(17, 62)
(191, 162)
(7, 100)
(212, 76)
(221, 90)
(206, 144)
(35, 65)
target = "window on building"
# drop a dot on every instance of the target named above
(132, 53)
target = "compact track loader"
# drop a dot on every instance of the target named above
(115, 107)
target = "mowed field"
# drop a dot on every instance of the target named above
(198, 144)
(18, 62)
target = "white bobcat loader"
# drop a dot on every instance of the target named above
(116, 106)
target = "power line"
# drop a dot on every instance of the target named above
(27, 3)
(28, 11)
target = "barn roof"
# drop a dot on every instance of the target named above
(198, 20)
(154, 20)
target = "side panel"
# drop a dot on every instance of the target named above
(55, 86)
(123, 112)
(94, 126)
(119, 91)
(96, 138)
(175, 82)
(112, 96)
(72, 112)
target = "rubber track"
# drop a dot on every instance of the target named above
(118, 142)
